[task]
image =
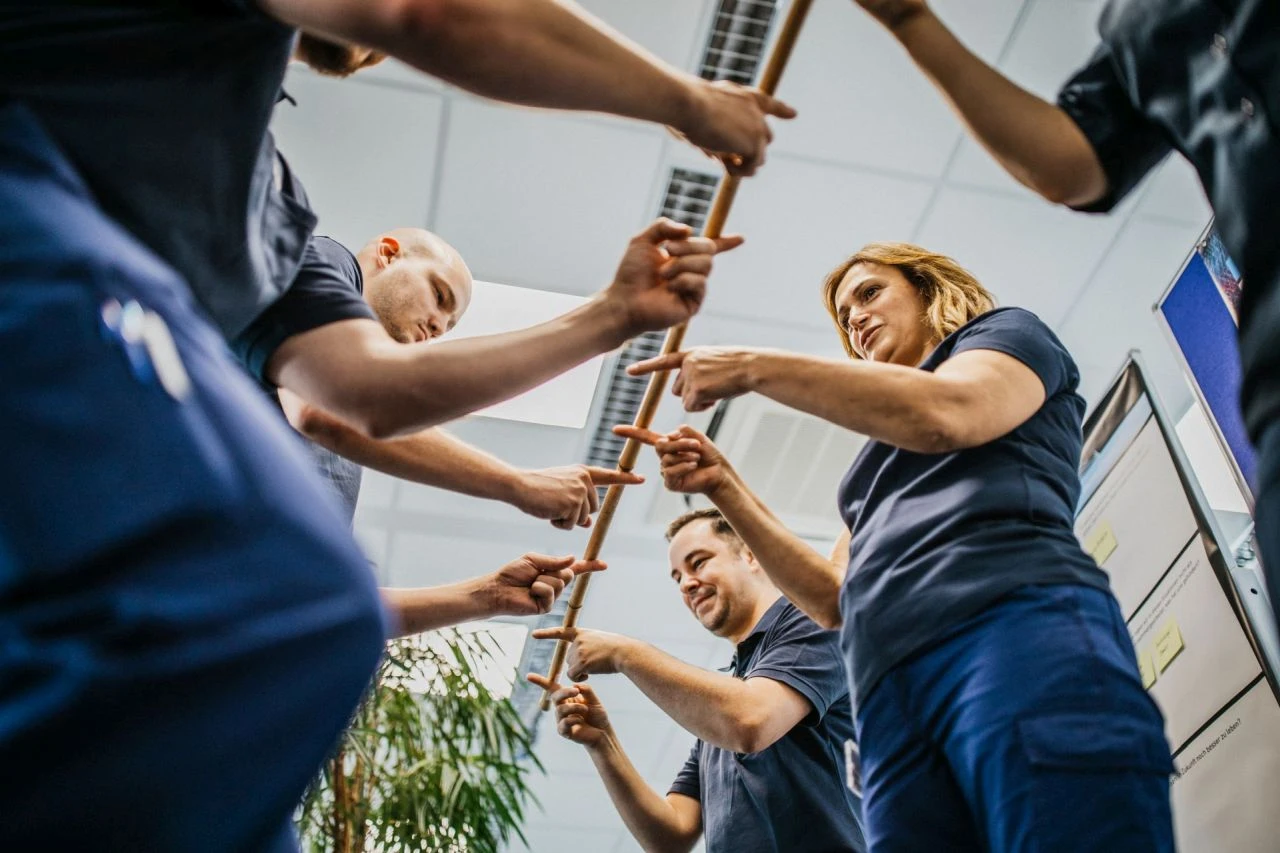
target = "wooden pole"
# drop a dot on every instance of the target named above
(714, 227)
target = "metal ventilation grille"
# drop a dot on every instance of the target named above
(737, 41)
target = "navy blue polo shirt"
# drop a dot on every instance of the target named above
(328, 287)
(791, 796)
(162, 107)
(937, 537)
(1201, 77)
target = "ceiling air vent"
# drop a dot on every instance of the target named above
(739, 32)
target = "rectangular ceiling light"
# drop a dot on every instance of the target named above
(564, 401)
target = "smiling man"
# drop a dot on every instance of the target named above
(767, 772)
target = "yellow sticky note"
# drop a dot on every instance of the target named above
(1101, 542)
(1147, 667)
(1168, 644)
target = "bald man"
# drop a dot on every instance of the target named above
(417, 287)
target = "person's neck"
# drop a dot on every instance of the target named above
(760, 606)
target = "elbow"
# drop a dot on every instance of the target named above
(753, 734)
(441, 27)
(935, 432)
(829, 618)
(313, 422)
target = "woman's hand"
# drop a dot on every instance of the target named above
(707, 374)
(690, 462)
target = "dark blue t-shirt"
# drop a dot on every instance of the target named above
(938, 537)
(792, 795)
(328, 288)
(162, 106)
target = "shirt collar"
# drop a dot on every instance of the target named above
(749, 642)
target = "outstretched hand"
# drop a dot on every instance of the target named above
(580, 715)
(529, 585)
(728, 123)
(590, 652)
(662, 277)
(707, 374)
(690, 462)
(567, 496)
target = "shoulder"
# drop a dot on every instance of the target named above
(328, 261)
(792, 624)
(1021, 334)
(1005, 324)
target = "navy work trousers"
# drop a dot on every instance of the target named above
(185, 622)
(1026, 730)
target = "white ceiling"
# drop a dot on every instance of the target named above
(544, 200)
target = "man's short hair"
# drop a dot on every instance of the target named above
(719, 525)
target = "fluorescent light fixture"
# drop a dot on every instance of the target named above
(495, 308)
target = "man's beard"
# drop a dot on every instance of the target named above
(333, 58)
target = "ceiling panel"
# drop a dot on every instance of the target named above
(1024, 250)
(361, 182)
(544, 200)
(860, 98)
(800, 220)
(672, 29)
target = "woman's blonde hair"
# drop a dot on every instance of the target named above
(952, 296)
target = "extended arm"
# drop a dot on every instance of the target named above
(566, 496)
(355, 371)
(1035, 141)
(668, 824)
(740, 715)
(972, 398)
(523, 587)
(544, 53)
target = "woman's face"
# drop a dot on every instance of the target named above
(884, 315)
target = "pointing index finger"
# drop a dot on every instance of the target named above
(669, 361)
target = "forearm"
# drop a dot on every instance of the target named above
(807, 579)
(430, 608)
(653, 822)
(384, 388)
(535, 52)
(1034, 140)
(432, 457)
(710, 705)
(902, 406)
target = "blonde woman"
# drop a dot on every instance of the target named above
(998, 701)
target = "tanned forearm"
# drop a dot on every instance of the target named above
(655, 824)
(384, 388)
(430, 608)
(535, 52)
(902, 406)
(432, 457)
(806, 578)
(716, 707)
(1035, 141)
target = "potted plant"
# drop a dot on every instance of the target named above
(433, 760)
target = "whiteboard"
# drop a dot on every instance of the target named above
(1145, 522)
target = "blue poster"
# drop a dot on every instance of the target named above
(1200, 310)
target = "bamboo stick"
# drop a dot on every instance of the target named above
(725, 193)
